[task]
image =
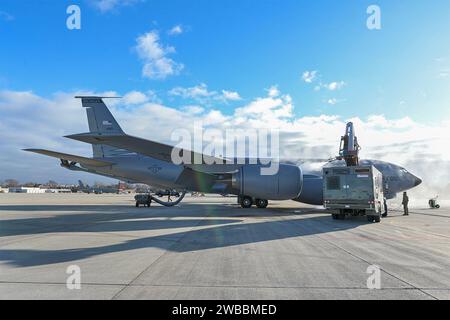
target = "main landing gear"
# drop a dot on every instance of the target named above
(247, 202)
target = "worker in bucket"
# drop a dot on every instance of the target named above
(405, 203)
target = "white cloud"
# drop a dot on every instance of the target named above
(267, 111)
(214, 117)
(380, 122)
(312, 76)
(156, 63)
(333, 86)
(201, 94)
(193, 109)
(176, 30)
(231, 95)
(135, 97)
(309, 76)
(199, 91)
(29, 120)
(273, 91)
(332, 101)
(111, 5)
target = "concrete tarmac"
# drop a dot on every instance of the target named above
(209, 248)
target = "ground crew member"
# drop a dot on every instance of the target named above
(405, 204)
(385, 214)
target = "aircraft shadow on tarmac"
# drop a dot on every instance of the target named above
(206, 233)
(120, 218)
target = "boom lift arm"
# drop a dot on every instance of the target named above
(349, 148)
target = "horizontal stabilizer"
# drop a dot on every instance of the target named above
(72, 158)
(146, 147)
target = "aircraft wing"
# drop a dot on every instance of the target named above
(72, 158)
(146, 147)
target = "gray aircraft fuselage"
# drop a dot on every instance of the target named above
(160, 174)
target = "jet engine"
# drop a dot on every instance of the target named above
(312, 191)
(286, 184)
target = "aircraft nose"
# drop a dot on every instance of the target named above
(417, 181)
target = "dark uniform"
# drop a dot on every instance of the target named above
(385, 214)
(405, 203)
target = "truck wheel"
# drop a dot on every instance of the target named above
(246, 202)
(335, 216)
(376, 219)
(261, 203)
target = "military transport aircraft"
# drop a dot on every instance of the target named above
(136, 160)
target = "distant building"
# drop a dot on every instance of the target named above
(37, 190)
(58, 190)
(26, 190)
(4, 190)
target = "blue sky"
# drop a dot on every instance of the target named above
(302, 67)
(244, 46)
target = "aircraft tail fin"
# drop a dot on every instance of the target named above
(99, 117)
(101, 120)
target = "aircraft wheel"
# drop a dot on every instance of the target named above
(246, 202)
(261, 203)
